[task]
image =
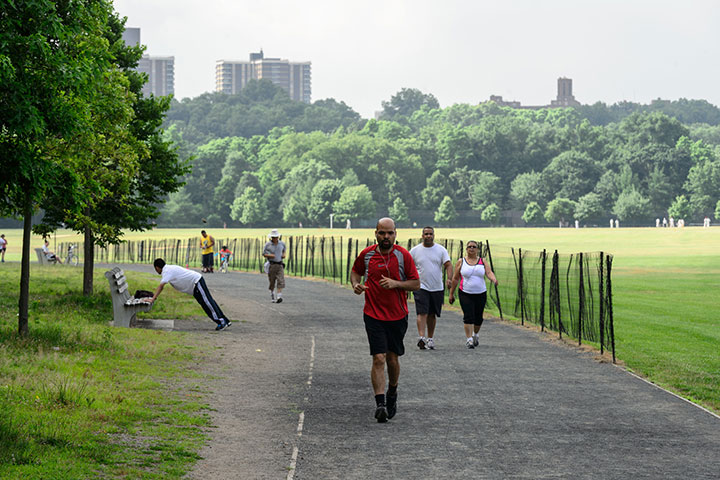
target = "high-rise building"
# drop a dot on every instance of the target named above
(294, 77)
(160, 70)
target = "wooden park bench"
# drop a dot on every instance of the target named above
(124, 306)
(42, 259)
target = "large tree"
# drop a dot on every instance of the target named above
(53, 57)
(406, 102)
(126, 167)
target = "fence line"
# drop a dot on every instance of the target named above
(572, 297)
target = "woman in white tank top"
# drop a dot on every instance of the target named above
(470, 273)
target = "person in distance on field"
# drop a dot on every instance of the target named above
(430, 259)
(192, 283)
(274, 253)
(470, 273)
(389, 272)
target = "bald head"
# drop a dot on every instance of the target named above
(385, 234)
(385, 223)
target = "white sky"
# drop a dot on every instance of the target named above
(363, 52)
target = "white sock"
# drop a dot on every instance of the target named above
(279, 295)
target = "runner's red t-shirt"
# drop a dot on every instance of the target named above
(380, 303)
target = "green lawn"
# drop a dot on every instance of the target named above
(666, 289)
(81, 399)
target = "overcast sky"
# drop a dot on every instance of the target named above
(363, 52)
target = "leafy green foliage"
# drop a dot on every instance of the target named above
(446, 212)
(533, 213)
(680, 208)
(354, 202)
(631, 205)
(560, 210)
(399, 211)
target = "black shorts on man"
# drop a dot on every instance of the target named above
(385, 336)
(429, 302)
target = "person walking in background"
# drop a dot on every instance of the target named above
(224, 255)
(3, 247)
(274, 252)
(207, 242)
(389, 273)
(430, 259)
(192, 283)
(470, 273)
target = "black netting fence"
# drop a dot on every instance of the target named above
(566, 293)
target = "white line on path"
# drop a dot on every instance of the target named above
(301, 420)
(668, 391)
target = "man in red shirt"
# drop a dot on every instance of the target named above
(389, 272)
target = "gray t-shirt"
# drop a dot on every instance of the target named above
(429, 263)
(276, 250)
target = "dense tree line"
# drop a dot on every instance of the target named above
(549, 165)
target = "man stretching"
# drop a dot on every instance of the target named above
(192, 283)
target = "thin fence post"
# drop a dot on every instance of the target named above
(581, 300)
(349, 259)
(497, 294)
(608, 260)
(556, 299)
(602, 303)
(542, 291)
(521, 287)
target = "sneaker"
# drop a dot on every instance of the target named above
(431, 344)
(272, 296)
(279, 300)
(476, 340)
(391, 405)
(421, 343)
(221, 326)
(228, 323)
(470, 343)
(381, 414)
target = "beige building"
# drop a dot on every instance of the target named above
(294, 77)
(160, 70)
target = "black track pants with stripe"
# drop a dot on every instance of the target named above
(207, 302)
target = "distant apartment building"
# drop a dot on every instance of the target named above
(294, 77)
(564, 98)
(160, 70)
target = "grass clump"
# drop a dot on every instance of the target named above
(81, 399)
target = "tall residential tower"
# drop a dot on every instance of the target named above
(294, 77)
(160, 70)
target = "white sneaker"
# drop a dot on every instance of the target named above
(469, 343)
(431, 344)
(476, 340)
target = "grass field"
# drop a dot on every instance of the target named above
(666, 290)
(81, 399)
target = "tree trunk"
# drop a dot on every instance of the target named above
(23, 303)
(88, 262)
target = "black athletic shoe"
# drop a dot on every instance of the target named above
(391, 405)
(223, 325)
(421, 344)
(381, 414)
(279, 300)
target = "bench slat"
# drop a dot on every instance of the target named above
(122, 288)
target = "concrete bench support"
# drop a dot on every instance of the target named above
(124, 306)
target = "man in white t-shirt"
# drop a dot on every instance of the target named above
(192, 283)
(430, 258)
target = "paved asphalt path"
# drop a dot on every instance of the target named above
(518, 406)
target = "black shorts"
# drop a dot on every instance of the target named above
(473, 305)
(385, 336)
(207, 260)
(429, 302)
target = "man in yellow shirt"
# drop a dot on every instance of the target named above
(206, 244)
